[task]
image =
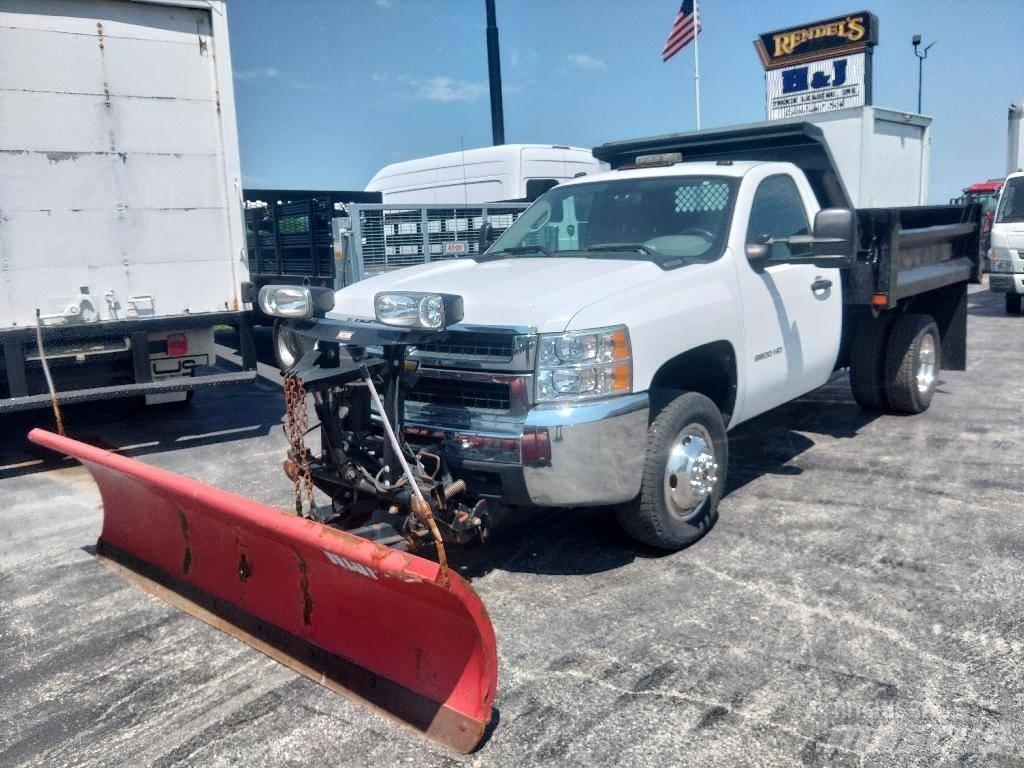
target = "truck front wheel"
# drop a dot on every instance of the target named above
(684, 474)
(912, 362)
(1013, 303)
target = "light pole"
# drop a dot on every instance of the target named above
(494, 76)
(921, 56)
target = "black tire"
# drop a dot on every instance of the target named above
(911, 372)
(867, 362)
(648, 518)
(1013, 303)
(288, 346)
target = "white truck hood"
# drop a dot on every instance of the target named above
(544, 293)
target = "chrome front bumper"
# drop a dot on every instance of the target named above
(565, 456)
(1006, 282)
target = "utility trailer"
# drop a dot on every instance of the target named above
(292, 238)
(395, 236)
(121, 241)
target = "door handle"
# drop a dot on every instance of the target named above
(821, 284)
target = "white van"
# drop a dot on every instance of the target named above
(510, 172)
(1007, 254)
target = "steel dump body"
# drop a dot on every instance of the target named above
(374, 623)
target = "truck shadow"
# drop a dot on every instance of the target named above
(216, 415)
(263, 339)
(585, 541)
(984, 303)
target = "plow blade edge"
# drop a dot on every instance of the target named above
(373, 623)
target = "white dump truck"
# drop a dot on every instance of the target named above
(597, 352)
(121, 227)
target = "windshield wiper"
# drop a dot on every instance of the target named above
(612, 247)
(521, 250)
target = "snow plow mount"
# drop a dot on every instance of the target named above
(379, 485)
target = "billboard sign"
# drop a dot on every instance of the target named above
(818, 67)
(817, 86)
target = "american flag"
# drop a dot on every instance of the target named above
(684, 29)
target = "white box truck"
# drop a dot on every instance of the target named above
(881, 154)
(121, 226)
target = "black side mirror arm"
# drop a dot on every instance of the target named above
(485, 237)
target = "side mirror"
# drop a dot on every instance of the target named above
(759, 250)
(485, 237)
(835, 234)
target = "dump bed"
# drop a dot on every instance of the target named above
(903, 251)
(907, 251)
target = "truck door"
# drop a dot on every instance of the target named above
(792, 312)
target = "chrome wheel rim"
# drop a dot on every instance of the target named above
(925, 373)
(691, 471)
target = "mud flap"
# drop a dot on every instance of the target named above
(373, 623)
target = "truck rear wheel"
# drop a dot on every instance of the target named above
(867, 362)
(912, 363)
(1013, 303)
(684, 474)
(288, 346)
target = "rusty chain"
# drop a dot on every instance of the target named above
(296, 425)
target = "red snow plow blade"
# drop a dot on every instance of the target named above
(373, 623)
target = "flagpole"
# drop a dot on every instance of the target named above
(696, 57)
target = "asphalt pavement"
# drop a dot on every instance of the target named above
(860, 602)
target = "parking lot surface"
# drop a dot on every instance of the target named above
(860, 601)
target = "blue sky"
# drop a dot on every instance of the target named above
(329, 91)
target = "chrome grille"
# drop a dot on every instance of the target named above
(498, 345)
(461, 394)
(481, 348)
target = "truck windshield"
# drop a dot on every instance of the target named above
(1011, 202)
(663, 218)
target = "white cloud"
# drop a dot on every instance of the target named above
(449, 89)
(586, 62)
(518, 57)
(245, 75)
(384, 3)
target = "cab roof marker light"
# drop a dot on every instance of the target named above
(661, 158)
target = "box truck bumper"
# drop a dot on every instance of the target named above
(1006, 283)
(113, 359)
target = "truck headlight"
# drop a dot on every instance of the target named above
(295, 301)
(423, 311)
(581, 365)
